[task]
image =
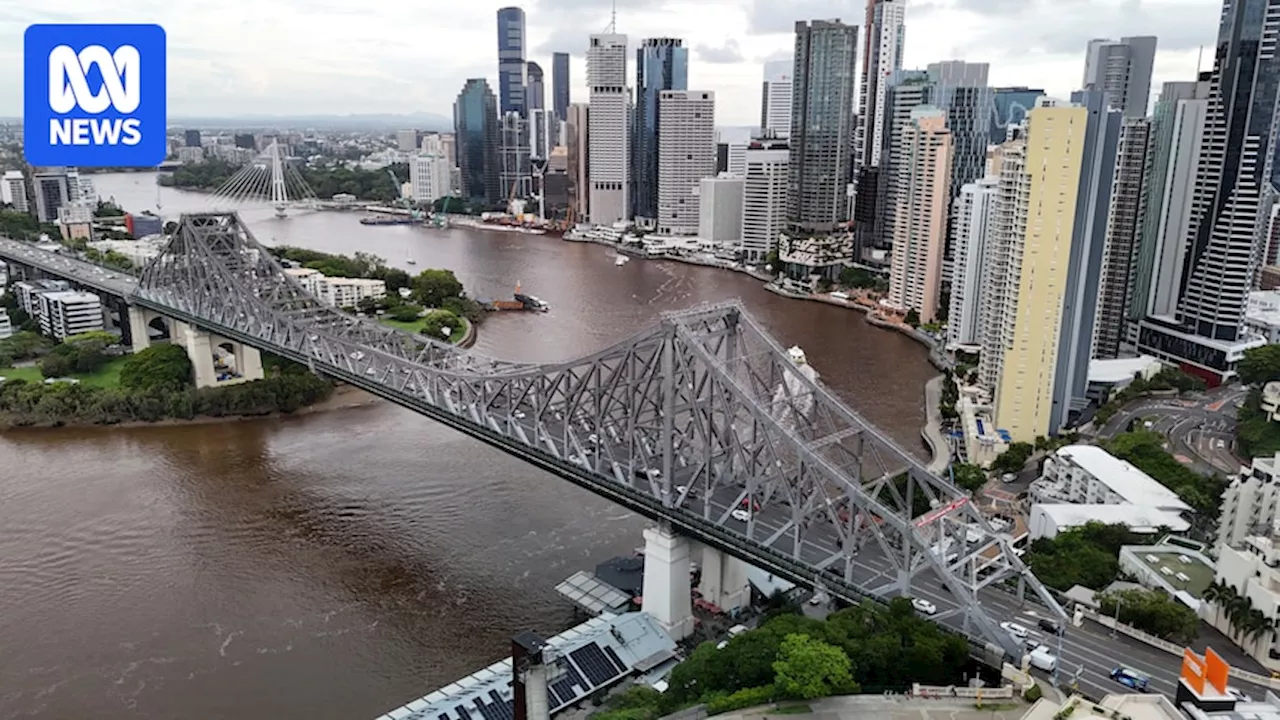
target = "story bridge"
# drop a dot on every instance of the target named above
(688, 423)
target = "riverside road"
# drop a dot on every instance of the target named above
(1200, 428)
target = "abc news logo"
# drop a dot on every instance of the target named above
(94, 95)
(69, 90)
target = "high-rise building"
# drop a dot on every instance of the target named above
(515, 168)
(661, 64)
(775, 98)
(1122, 70)
(609, 129)
(970, 225)
(960, 89)
(1071, 150)
(1271, 256)
(918, 219)
(560, 85)
(52, 191)
(408, 140)
(1230, 198)
(578, 144)
(1162, 158)
(511, 63)
(720, 209)
(686, 155)
(1178, 137)
(822, 124)
(1006, 239)
(906, 90)
(475, 127)
(535, 94)
(430, 172)
(13, 190)
(1124, 226)
(542, 133)
(192, 138)
(881, 61)
(764, 197)
(1010, 109)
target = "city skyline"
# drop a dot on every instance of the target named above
(268, 72)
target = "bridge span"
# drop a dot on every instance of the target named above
(688, 423)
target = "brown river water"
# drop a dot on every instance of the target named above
(341, 563)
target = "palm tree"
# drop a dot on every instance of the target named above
(1215, 594)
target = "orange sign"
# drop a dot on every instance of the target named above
(1211, 671)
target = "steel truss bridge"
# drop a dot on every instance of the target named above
(702, 415)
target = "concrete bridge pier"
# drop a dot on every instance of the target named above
(214, 357)
(138, 321)
(724, 580)
(667, 592)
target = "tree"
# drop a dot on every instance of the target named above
(1260, 365)
(1013, 458)
(807, 668)
(1155, 612)
(406, 313)
(1145, 450)
(912, 318)
(432, 287)
(1086, 555)
(435, 322)
(157, 368)
(969, 477)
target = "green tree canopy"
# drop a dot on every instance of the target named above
(436, 321)
(159, 367)
(1145, 450)
(1154, 612)
(1260, 365)
(968, 477)
(1014, 458)
(432, 287)
(1085, 556)
(808, 668)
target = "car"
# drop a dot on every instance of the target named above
(741, 515)
(519, 414)
(1049, 626)
(1131, 679)
(924, 606)
(1015, 630)
(817, 598)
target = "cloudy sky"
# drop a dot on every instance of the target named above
(291, 57)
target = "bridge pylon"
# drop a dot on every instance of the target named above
(269, 178)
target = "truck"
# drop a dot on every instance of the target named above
(1042, 659)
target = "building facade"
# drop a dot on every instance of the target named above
(775, 98)
(764, 198)
(881, 60)
(535, 93)
(511, 63)
(475, 127)
(1229, 201)
(67, 313)
(1009, 109)
(970, 221)
(1124, 225)
(822, 125)
(578, 147)
(515, 167)
(919, 216)
(609, 130)
(720, 209)
(430, 173)
(13, 190)
(686, 155)
(52, 191)
(1006, 241)
(1121, 69)
(662, 64)
(560, 85)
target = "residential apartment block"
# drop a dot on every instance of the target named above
(686, 155)
(918, 218)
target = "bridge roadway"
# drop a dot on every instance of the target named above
(86, 274)
(215, 276)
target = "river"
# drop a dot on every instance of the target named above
(338, 564)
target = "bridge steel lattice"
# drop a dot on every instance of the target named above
(705, 397)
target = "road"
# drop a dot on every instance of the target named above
(1200, 428)
(1089, 648)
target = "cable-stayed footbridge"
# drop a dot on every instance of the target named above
(269, 178)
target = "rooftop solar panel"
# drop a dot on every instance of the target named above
(617, 661)
(595, 665)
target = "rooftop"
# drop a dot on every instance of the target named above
(1199, 573)
(1112, 707)
(1119, 370)
(593, 655)
(1138, 518)
(1122, 477)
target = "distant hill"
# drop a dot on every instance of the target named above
(385, 121)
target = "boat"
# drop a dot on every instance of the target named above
(619, 260)
(390, 221)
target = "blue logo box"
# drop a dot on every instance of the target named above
(94, 95)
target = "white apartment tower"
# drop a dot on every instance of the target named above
(13, 191)
(970, 224)
(1006, 240)
(919, 215)
(764, 198)
(775, 99)
(608, 133)
(720, 209)
(686, 155)
(430, 173)
(882, 57)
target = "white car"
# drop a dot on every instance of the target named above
(924, 606)
(519, 414)
(1015, 630)
(740, 514)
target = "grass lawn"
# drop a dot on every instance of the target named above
(416, 326)
(107, 376)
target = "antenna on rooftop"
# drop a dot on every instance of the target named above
(613, 18)
(1199, 58)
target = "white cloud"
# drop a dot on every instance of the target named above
(239, 57)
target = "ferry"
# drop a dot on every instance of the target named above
(390, 221)
(620, 260)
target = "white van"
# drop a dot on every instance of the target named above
(1042, 659)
